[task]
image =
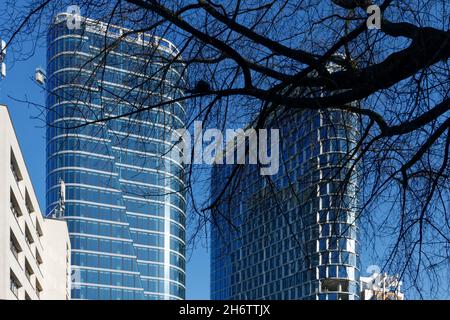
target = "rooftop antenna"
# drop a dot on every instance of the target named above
(58, 211)
(62, 198)
(2, 60)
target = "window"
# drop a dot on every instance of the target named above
(28, 236)
(28, 270)
(13, 204)
(332, 272)
(14, 284)
(92, 293)
(104, 293)
(38, 257)
(39, 229)
(38, 289)
(14, 245)
(27, 297)
(15, 168)
(28, 203)
(92, 276)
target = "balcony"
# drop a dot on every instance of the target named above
(38, 258)
(15, 174)
(15, 168)
(14, 288)
(14, 284)
(14, 249)
(28, 237)
(14, 210)
(38, 289)
(28, 274)
(28, 271)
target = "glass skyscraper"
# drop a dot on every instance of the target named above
(291, 235)
(124, 199)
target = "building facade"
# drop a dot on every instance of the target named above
(291, 235)
(381, 286)
(124, 203)
(34, 251)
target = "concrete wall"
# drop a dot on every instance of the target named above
(49, 278)
(57, 264)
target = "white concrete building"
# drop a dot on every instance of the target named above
(34, 251)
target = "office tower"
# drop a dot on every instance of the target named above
(291, 235)
(34, 251)
(124, 206)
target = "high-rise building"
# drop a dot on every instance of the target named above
(291, 235)
(34, 251)
(124, 202)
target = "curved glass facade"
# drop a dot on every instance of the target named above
(293, 235)
(125, 203)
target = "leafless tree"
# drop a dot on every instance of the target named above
(243, 60)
